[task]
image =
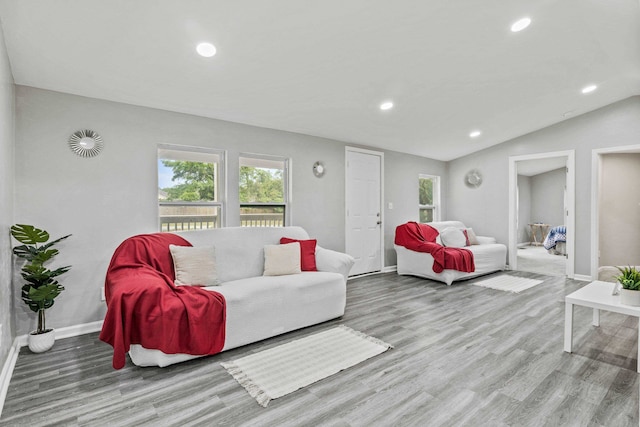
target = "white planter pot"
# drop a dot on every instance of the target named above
(39, 343)
(628, 297)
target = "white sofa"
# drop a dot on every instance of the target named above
(258, 306)
(489, 256)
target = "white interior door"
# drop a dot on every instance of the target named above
(364, 210)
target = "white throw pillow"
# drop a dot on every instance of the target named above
(453, 237)
(195, 266)
(280, 260)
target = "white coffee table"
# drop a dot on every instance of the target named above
(596, 295)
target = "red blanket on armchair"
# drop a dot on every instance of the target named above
(145, 307)
(422, 238)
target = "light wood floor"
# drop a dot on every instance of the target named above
(536, 259)
(464, 356)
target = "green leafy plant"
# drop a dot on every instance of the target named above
(42, 287)
(629, 279)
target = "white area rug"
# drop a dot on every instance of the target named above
(508, 283)
(281, 370)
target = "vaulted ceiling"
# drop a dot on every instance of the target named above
(324, 67)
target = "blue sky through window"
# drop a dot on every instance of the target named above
(164, 176)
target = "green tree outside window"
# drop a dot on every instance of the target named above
(196, 181)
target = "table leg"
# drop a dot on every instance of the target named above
(568, 327)
(596, 317)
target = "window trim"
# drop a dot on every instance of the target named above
(436, 206)
(221, 185)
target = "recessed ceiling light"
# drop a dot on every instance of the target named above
(387, 105)
(206, 49)
(589, 89)
(475, 134)
(520, 24)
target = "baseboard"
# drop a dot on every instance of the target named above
(388, 269)
(75, 330)
(21, 341)
(7, 372)
(68, 331)
(363, 275)
(582, 277)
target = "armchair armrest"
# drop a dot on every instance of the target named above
(484, 240)
(337, 262)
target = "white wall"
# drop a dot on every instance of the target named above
(7, 109)
(524, 209)
(547, 197)
(401, 189)
(619, 207)
(486, 209)
(105, 199)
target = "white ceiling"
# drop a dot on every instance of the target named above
(322, 68)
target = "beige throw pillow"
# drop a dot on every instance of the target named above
(280, 260)
(195, 265)
(473, 239)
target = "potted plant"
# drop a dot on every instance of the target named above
(41, 287)
(629, 279)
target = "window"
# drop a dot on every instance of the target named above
(190, 188)
(429, 198)
(263, 191)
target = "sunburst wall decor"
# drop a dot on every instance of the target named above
(86, 143)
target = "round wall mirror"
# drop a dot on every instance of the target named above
(86, 143)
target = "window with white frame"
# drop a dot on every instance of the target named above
(429, 198)
(263, 191)
(190, 188)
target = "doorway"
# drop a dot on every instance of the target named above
(541, 213)
(364, 197)
(615, 210)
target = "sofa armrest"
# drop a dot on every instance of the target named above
(337, 262)
(484, 240)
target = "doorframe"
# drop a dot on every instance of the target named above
(571, 197)
(380, 154)
(596, 164)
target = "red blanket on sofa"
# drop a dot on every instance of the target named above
(422, 238)
(145, 307)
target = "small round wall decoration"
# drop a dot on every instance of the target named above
(473, 179)
(86, 143)
(318, 169)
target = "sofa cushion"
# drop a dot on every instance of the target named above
(264, 306)
(307, 252)
(280, 260)
(194, 266)
(453, 237)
